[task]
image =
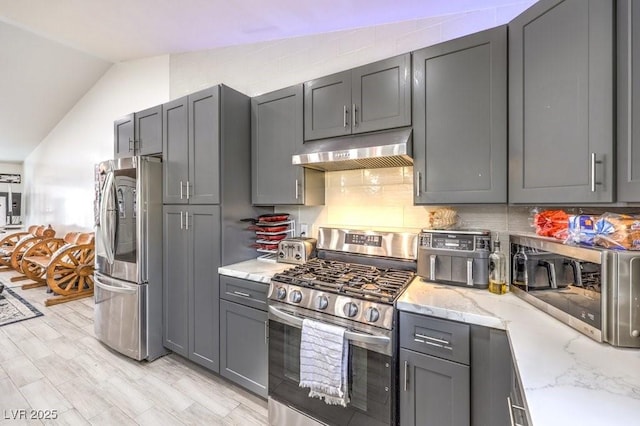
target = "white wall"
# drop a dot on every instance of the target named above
(58, 174)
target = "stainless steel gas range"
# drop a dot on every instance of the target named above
(353, 283)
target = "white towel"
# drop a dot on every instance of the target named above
(324, 359)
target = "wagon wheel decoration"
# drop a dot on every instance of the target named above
(70, 274)
(20, 249)
(44, 250)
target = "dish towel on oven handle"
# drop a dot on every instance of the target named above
(324, 359)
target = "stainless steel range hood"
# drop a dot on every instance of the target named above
(392, 148)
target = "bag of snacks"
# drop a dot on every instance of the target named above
(582, 229)
(618, 231)
(552, 223)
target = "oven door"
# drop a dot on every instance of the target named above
(370, 380)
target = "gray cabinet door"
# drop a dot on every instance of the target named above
(327, 106)
(276, 132)
(460, 120)
(148, 131)
(433, 391)
(243, 346)
(561, 102)
(176, 281)
(123, 137)
(381, 95)
(202, 224)
(203, 186)
(628, 135)
(175, 150)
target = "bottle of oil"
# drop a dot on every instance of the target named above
(497, 270)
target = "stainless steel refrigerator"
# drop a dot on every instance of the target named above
(128, 274)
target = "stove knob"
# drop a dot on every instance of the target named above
(296, 296)
(350, 309)
(322, 302)
(372, 314)
(281, 293)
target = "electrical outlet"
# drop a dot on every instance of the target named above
(304, 230)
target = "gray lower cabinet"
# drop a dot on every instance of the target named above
(244, 333)
(460, 120)
(276, 133)
(435, 391)
(243, 346)
(561, 88)
(628, 125)
(192, 254)
(453, 373)
(372, 97)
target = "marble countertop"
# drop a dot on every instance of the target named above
(568, 379)
(254, 270)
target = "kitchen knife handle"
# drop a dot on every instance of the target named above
(181, 193)
(355, 115)
(406, 375)
(344, 116)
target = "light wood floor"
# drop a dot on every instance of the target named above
(54, 362)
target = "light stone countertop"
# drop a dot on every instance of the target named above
(254, 270)
(568, 379)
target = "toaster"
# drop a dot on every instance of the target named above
(296, 250)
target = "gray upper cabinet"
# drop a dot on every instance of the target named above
(460, 120)
(561, 103)
(192, 152)
(148, 131)
(123, 137)
(175, 142)
(628, 134)
(139, 133)
(276, 132)
(373, 97)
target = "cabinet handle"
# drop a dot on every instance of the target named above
(355, 115)
(297, 190)
(344, 116)
(418, 179)
(181, 194)
(181, 221)
(239, 293)
(186, 216)
(593, 172)
(406, 375)
(432, 341)
(187, 190)
(132, 145)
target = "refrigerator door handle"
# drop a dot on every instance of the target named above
(113, 289)
(106, 224)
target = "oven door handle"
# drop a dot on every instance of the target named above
(350, 335)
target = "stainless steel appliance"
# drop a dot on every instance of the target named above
(458, 257)
(593, 290)
(353, 283)
(296, 250)
(128, 274)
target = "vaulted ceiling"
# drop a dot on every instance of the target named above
(53, 51)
